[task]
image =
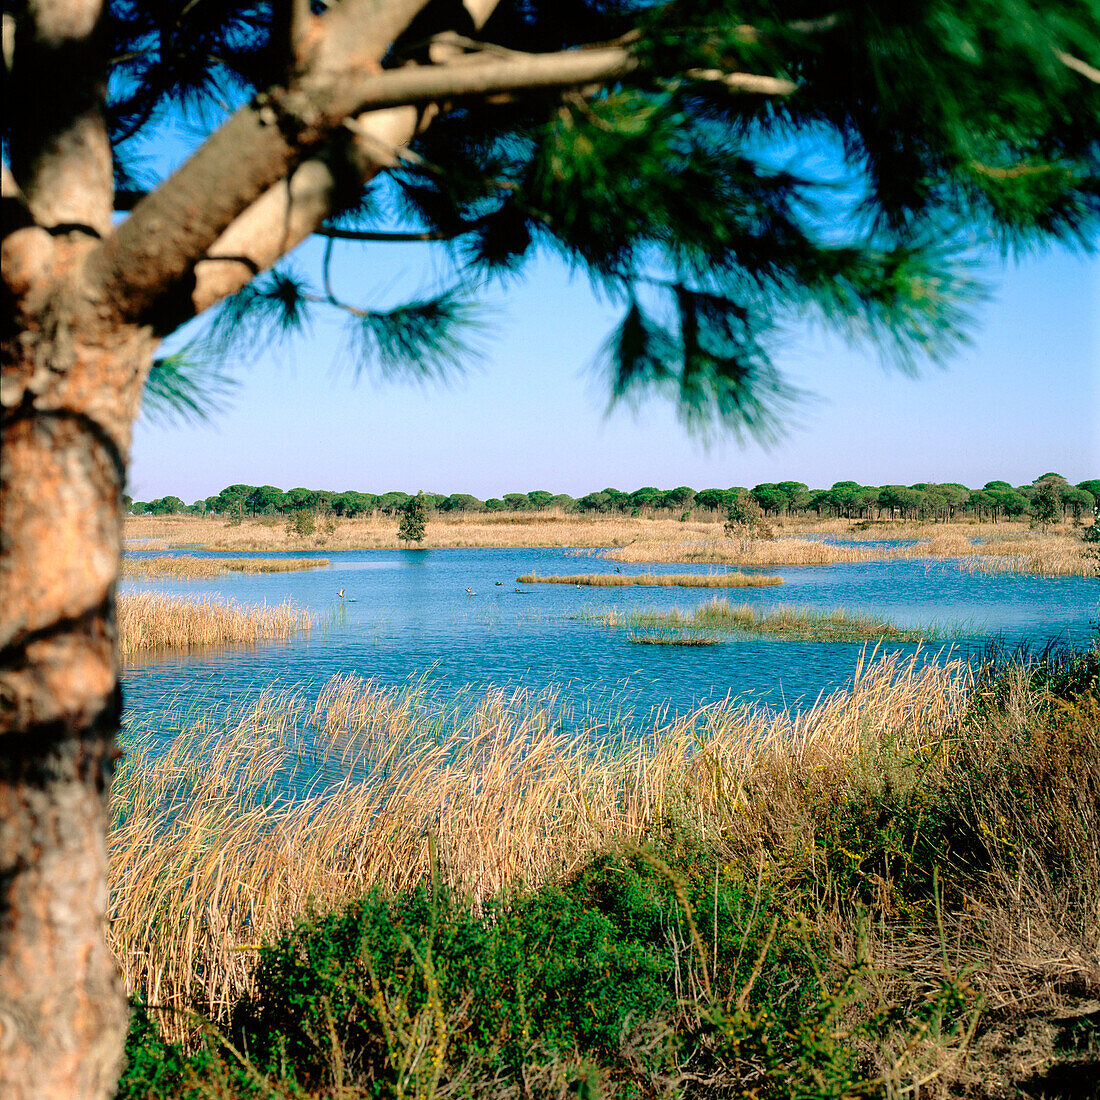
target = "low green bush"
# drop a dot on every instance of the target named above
(649, 966)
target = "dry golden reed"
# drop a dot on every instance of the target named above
(149, 622)
(488, 530)
(1043, 554)
(984, 547)
(656, 580)
(720, 551)
(190, 566)
(207, 859)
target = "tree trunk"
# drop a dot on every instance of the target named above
(71, 389)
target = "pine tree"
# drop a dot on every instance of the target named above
(1045, 504)
(647, 143)
(414, 520)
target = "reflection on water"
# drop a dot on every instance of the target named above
(407, 614)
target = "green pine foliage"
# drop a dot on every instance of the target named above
(186, 385)
(431, 338)
(889, 142)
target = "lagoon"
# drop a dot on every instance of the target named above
(407, 615)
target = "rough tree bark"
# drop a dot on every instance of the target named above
(72, 386)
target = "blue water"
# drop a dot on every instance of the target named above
(407, 614)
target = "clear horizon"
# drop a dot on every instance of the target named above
(1022, 399)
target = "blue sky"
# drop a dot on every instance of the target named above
(1022, 399)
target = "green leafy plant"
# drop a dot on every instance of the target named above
(301, 524)
(414, 520)
(745, 522)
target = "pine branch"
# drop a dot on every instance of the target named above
(266, 312)
(383, 235)
(430, 338)
(187, 386)
(170, 229)
(1090, 72)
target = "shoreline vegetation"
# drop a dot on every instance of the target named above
(979, 547)
(149, 623)
(655, 580)
(719, 616)
(1051, 554)
(893, 890)
(190, 566)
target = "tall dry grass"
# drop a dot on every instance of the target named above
(150, 623)
(655, 580)
(208, 858)
(188, 565)
(722, 551)
(488, 530)
(1046, 554)
(1050, 555)
(1009, 546)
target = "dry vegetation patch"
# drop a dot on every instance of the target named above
(510, 796)
(190, 566)
(642, 538)
(150, 623)
(655, 580)
(486, 530)
(927, 835)
(723, 551)
(1047, 554)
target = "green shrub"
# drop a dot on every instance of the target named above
(646, 962)
(301, 524)
(388, 973)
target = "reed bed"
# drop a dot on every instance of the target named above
(188, 565)
(150, 623)
(1057, 552)
(656, 580)
(227, 831)
(1042, 554)
(489, 530)
(788, 623)
(1039, 553)
(145, 544)
(721, 551)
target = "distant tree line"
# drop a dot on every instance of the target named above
(1049, 494)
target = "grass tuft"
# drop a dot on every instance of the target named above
(191, 566)
(788, 623)
(656, 580)
(151, 623)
